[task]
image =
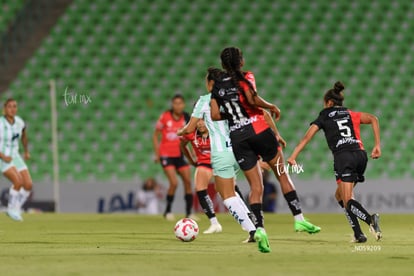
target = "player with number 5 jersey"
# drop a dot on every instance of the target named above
(342, 131)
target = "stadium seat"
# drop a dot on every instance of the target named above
(131, 57)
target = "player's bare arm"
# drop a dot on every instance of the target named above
(367, 118)
(190, 127)
(302, 144)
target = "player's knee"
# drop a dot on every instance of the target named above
(338, 195)
(28, 185)
(173, 185)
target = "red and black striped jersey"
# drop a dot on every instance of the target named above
(341, 127)
(244, 120)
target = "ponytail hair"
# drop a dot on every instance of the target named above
(231, 60)
(335, 94)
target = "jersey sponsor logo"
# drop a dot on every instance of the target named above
(240, 161)
(15, 136)
(338, 112)
(222, 92)
(347, 140)
(243, 122)
(171, 136)
(228, 91)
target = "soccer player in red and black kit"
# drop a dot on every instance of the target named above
(200, 142)
(342, 132)
(169, 154)
(234, 97)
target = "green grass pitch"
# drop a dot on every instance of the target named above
(93, 244)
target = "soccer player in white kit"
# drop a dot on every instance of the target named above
(13, 167)
(223, 162)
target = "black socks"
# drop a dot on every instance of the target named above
(206, 203)
(352, 219)
(293, 202)
(170, 199)
(356, 208)
(188, 204)
(258, 214)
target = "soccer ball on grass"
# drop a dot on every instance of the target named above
(186, 230)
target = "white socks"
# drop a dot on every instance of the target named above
(17, 198)
(214, 221)
(246, 209)
(237, 210)
(13, 199)
(299, 217)
(24, 195)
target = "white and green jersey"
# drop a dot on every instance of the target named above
(218, 130)
(10, 135)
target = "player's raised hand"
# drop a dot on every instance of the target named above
(376, 152)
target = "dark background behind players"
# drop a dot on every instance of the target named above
(269, 194)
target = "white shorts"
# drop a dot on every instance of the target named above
(17, 161)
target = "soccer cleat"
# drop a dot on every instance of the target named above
(250, 239)
(14, 214)
(306, 226)
(169, 216)
(262, 241)
(359, 239)
(374, 227)
(214, 228)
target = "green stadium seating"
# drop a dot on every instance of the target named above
(8, 11)
(131, 56)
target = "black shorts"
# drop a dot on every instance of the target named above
(349, 166)
(208, 166)
(176, 162)
(247, 151)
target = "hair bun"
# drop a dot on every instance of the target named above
(338, 87)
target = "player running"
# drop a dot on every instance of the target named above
(342, 131)
(224, 164)
(168, 152)
(200, 142)
(12, 129)
(234, 98)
